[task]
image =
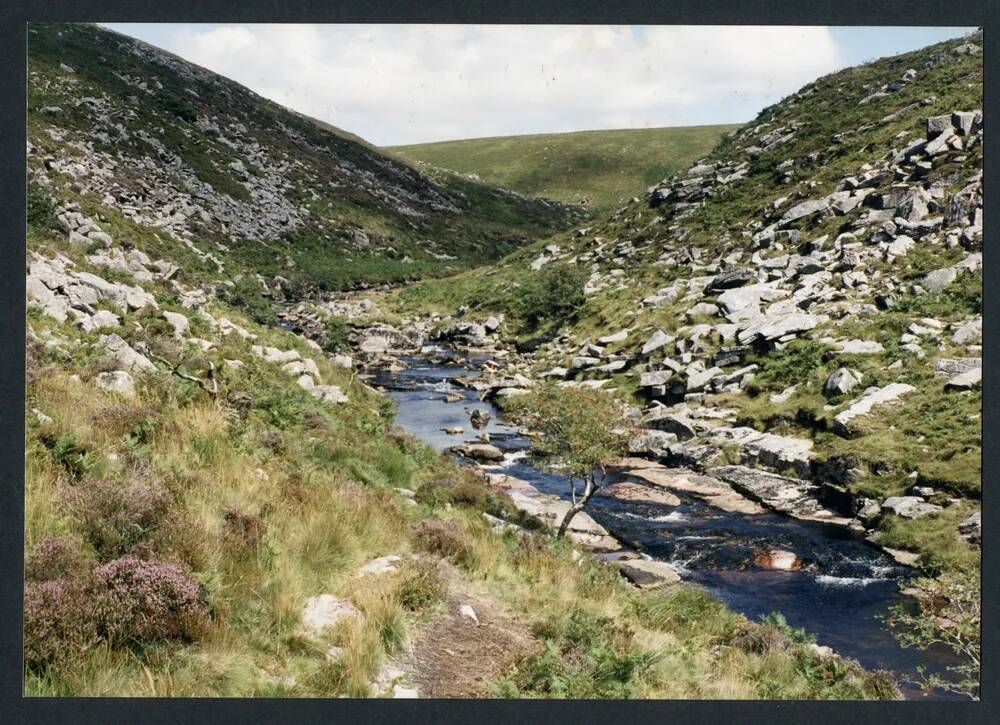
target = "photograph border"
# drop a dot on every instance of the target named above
(17, 708)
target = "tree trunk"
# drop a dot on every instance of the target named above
(577, 507)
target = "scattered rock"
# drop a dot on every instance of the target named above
(324, 611)
(648, 574)
(908, 507)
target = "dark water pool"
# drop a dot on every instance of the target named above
(841, 595)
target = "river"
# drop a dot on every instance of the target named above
(844, 590)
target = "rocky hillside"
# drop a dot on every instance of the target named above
(141, 147)
(600, 168)
(798, 313)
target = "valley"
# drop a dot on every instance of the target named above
(257, 347)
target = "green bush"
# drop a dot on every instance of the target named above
(41, 211)
(248, 295)
(554, 294)
(335, 332)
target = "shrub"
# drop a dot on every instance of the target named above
(59, 621)
(444, 538)
(762, 639)
(243, 529)
(115, 518)
(41, 211)
(273, 441)
(135, 423)
(586, 656)
(555, 293)
(52, 559)
(421, 585)
(248, 295)
(335, 332)
(146, 601)
(78, 462)
(948, 615)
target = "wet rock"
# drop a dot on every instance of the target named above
(625, 491)
(792, 496)
(479, 418)
(485, 452)
(779, 559)
(551, 510)
(712, 490)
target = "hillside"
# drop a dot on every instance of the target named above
(215, 506)
(805, 300)
(600, 168)
(230, 180)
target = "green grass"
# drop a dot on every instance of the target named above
(600, 167)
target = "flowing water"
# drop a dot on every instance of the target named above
(841, 595)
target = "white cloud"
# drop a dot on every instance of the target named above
(397, 84)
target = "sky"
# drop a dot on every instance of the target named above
(405, 84)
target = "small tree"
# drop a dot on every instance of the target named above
(948, 614)
(582, 431)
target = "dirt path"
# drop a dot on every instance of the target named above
(454, 657)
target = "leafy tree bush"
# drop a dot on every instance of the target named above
(582, 431)
(948, 614)
(555, 293)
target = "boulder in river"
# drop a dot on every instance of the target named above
(776, 559)
(479, 418)
(484, 452)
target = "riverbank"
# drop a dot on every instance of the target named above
(820, 575)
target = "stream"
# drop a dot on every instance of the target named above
(840, 596)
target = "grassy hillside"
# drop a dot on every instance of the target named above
(125, 129)
(599, 167)
(183, 514)
(836, 204)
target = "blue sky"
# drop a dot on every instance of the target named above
(397, 84)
